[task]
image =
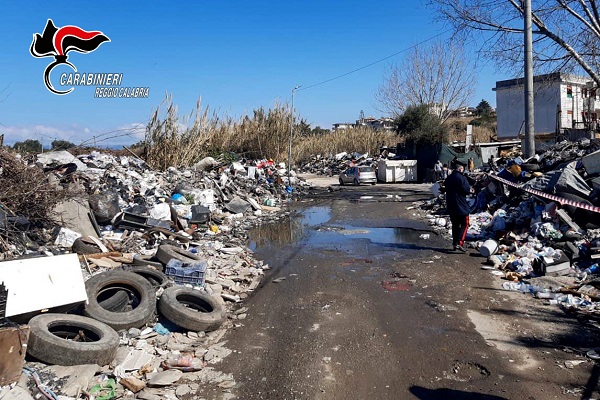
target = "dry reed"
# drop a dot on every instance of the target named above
(174, 141)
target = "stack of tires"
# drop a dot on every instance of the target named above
(118, 300)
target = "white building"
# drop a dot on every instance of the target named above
(383, 124)
(343, 125)
(559, 105)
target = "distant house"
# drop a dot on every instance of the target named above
(463, 112)
(343, 125)
(560, 106)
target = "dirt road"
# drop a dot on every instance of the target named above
(365, 302)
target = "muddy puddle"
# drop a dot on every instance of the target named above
(313, 227)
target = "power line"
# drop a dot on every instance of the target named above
(374, 62)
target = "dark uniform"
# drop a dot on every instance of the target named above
(457, 189)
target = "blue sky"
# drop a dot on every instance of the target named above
(234, 55)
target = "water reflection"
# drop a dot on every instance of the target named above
(290, 229)
(309, 227)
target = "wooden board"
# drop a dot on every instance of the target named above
(13, 346)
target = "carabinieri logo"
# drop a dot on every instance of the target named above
(57, 42)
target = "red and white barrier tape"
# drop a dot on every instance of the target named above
(552, 197)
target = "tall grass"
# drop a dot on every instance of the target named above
(177, 141)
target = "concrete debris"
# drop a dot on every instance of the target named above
(123, 214)
(132, 383)
(78, 377)
(165, 378)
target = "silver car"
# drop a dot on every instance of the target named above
(358, 175)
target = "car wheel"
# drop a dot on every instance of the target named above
(341, 182)
(190, 309)
(356, 182)
(110, 282)
(65, 339)
(373, 183)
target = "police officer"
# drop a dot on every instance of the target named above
(457, 189)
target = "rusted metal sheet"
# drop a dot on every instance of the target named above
(13, 346)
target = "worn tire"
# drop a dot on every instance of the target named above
(191, 309)
(155, 277)
(142, 313)
(151, 261)
(166, 253)
(48, 340)
(115, 302)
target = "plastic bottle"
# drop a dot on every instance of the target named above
(546, 295)
(524, 287)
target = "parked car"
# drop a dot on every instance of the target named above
(358, 175)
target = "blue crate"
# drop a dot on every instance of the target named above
(183, 273)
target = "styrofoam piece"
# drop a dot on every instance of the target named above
(38, 283)
(66, 237)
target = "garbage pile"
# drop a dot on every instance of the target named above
(335, 164)
(537, 218)
(139, 272)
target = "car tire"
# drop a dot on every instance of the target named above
(155, 277)
(341, 182)
(166, 253)
(373, 184)
(147, 261)
(117, 302)
(49, 340)
(191, 309)
(104, 282)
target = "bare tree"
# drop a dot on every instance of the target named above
(439, 76)
(566, 32)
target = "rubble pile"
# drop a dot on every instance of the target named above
(335, 164)
(537, 218)
(157, 268)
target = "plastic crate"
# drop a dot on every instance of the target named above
(184, 273)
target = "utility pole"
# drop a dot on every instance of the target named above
(291, 135)
(529, 117)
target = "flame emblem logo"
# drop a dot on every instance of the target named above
(57, 42)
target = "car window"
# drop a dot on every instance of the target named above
(366, 169)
